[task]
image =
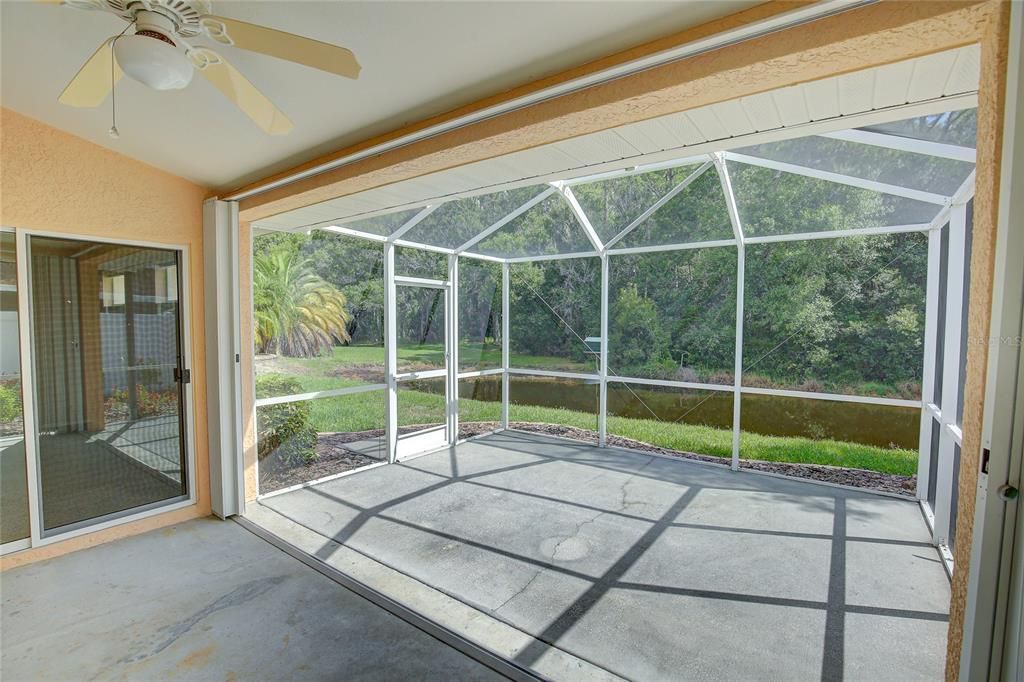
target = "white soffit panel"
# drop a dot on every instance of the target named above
(809, 108)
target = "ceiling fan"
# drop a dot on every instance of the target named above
(159, 54)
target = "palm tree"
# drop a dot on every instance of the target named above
(297, 312)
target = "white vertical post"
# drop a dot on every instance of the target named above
(390, 353)
(741, 256)
(452, 349)
(223, 378)
(602, 408)
(737, 228)
(931, 311)
(950, 372)
(505, 326)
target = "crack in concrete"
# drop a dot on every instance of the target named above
(623, 505)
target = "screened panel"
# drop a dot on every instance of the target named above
(420, 328)
(479, 405)
(479, 315)
(674, 418)
(318, 304)
(555, 307)
(307, 440)
(772, 202)
(698, 213)
(421, 405)
(809, 431)
(952, 127)
(891, 166)
(567, 403)
(837, 315)
(672, 315)
(550, 227)
(453, 224)
(383, 225)
(612, 204)
(412, 262)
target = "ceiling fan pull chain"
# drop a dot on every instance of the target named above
(113, 132)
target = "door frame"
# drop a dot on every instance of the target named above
(38, 537)
(433, 437)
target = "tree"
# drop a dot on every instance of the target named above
(297, 313)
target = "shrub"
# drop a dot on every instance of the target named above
(284, 430)
(10, 402)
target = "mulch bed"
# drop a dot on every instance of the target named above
(856, 478)
(334, 458)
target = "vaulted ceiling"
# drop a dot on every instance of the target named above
(419, 59)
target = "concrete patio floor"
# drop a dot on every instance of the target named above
(574, 561)
(205, 600)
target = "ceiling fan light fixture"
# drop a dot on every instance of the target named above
(153, 60)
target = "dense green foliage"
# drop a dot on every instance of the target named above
(283, 431)
(843, 315)
(10, 401)
(296, 312)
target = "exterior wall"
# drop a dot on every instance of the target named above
(245, 322)
(51, 180)
(991, 109)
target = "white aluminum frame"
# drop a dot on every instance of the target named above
(737, 228)
(37, 536)
(950, 374)
(950, 209)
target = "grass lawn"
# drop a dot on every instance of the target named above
(323, 372)
(365, 411)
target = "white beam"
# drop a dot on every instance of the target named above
(390, 354)
(837, 397)
(931, 310)
(423, 247)
(553, 256)
(505, 326)
(906, 144)
(837, 234)
(872, 185)
(506, 220)
(687, 181)
(452, 350)
(602, 410)
(672, 247)
(581, 218)
(412, 222)
(737, 228)
(339, 229)
(951, 353)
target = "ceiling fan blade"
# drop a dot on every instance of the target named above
(282, 45)
(245, 96)
(94, 80)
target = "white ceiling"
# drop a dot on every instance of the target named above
(926, 85)
(419, 59)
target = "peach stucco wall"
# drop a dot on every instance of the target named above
(51, 180)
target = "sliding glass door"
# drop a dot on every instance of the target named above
(108, 374)
(14, 522)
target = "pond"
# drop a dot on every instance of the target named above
(878, 425)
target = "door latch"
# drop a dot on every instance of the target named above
(182, 376)
(1007, 492)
